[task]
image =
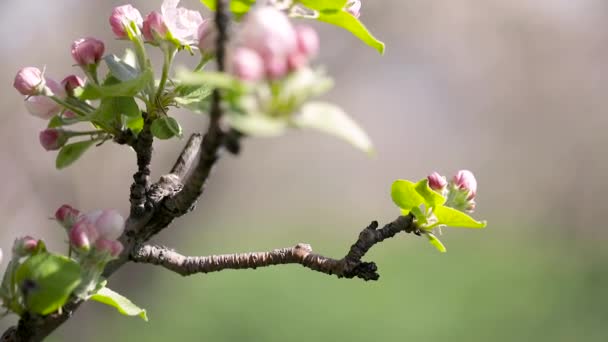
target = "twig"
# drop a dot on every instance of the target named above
(348, 267)
(141, 179)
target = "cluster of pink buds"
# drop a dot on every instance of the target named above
(269, 46)
(460, 191)
(94, 232)
(172, 23)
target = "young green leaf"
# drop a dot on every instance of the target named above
(71, 152)
(405, 196)
(333, 120)
(113, 87)
(166, 127)
(349, 22)
(435, 242)
(46, 281)
(431, 197)
(455, 218)
(321, 5)
(238, 7)
(211, 79)
(257, 124)
(120, 69)
(121, 303)
(195, 98)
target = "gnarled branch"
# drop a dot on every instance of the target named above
(348, 267)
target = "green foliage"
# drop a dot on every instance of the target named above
(166, 127)
(429, 209)
(114, 87)
(71, 152)
(238, 7)
(333, 120)
(194, 98)
(353, 25)
(119, 302)
(46, 281)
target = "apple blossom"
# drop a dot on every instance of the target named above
(87, 51)
(29, 81)
(121, 19)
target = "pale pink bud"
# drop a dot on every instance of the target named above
(109, 223)
(207, 37)
(269, 32)
(71, 82)
(122, 17)
(246, 64)
(276, 67)
(67, 216)
(112, 247)
(87, 51)
(465, 180)
(53, 138)
(437, 182)
(43, 106)
(296, 61)
(353, 7)
(68, 114)
(29, 81)
(83, 234)
(24, 246)
(154, 27)
(308, 40)
(181, 22)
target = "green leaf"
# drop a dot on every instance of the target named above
(195, 98)
(333, 120)
(405, 196)
(435, 242)
(71, 152)
(455, 218)
(46, 281)
(431, 197)
(236, 6)
(349, 22)
(166, 127)
(211, 79)
(121, 303)
(420, 216)
(55, 122)
(135, 124)
(120, 69)
(257, 124)
(113, 87)
(320, 5)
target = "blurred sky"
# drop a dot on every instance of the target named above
(513, 90)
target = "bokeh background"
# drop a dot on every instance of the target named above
(514, 90)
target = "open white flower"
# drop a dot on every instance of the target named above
(181, 22)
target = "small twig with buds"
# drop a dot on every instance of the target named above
(348, 267)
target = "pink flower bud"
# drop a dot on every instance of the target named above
(465, 180)
(83, 234)
(207, 37)
(269, 32)
(154, 27)
(276, 68)
(109, 223)
(53, 138)
(29, 81)
(121, 19)
(296, 61)
(353, 7)
(87, 51)
(68, 114)
(181, 22)
(24, 246)
(43, 106)
(308, 40)
(246, 64)
(70, 83)
(67, 216)
(111, 247)
(437, 182)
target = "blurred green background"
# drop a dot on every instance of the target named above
(512, 89)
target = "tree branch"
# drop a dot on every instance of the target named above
(141, 179)
(348, 267)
